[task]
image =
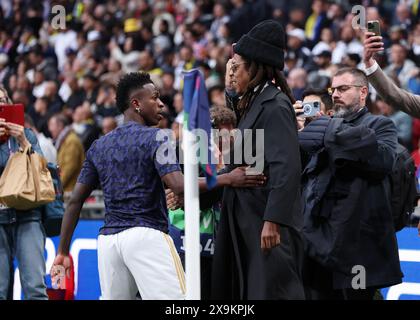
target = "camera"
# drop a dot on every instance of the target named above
(310, 109)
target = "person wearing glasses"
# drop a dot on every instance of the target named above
(259, 247)
(22, 235)
(351, 248)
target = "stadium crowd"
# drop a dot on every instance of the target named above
(67, 77)
(74, 71)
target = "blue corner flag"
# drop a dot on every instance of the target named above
(197, 116)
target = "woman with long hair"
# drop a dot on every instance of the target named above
(259, 249)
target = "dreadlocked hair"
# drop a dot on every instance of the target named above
(259, 75)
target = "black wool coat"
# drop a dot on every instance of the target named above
(241, 270)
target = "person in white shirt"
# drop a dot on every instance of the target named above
(348, 44)
(46, 144)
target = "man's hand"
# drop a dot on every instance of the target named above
(229, 75)
(240, 179)
(60, 269)
(270, 236)
(299, 111)
(3, 128)
(298, 106)
(372, 44)
(173, 201)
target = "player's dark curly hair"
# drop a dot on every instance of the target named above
(128, 83)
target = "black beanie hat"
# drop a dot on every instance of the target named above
(265, 43)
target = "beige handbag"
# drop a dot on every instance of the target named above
(26, 182)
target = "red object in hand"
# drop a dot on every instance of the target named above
(68, 292)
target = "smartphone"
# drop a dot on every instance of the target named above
(14, 113)
(310, 109)
(374, 26)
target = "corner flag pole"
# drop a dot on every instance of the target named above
(191, 198)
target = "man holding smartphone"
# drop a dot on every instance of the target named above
(385, 87)
(396, 97)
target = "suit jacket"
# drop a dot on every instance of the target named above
(396, 97)
(70, 157)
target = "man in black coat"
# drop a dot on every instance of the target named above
(259, 248)
(351, 247)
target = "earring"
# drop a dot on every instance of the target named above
(138, 110)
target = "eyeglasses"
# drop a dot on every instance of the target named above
(234, 66)
(4, 100)
(342, 89)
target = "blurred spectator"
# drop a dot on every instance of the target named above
(297, 82)
(240, 19)
(347, 44)
(323, 65)
(414, 40)
(21, 96)
(351, 60)
(335, 14)
(24, 85)
(316, 21)
(40, 114)
(400, 67)
(165, 122)
(108, 124)
(178, 103)
(414, 81)
(295, 45)
(402, 121)
(90, 87)
(105, 102)
(147, 63)
(37, 60)
(39, 84)
(220, 19)
(84, 126)
(402, 16)
(297, 18)
(114, 73)
(70, 152)
(397, 35)
(4, 68)
(46, 144)
(186, 61)
(327, 42)
(63, 39)
(217, 96)
(129, 59)
(167, 92)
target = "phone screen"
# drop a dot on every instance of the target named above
(374, 26)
